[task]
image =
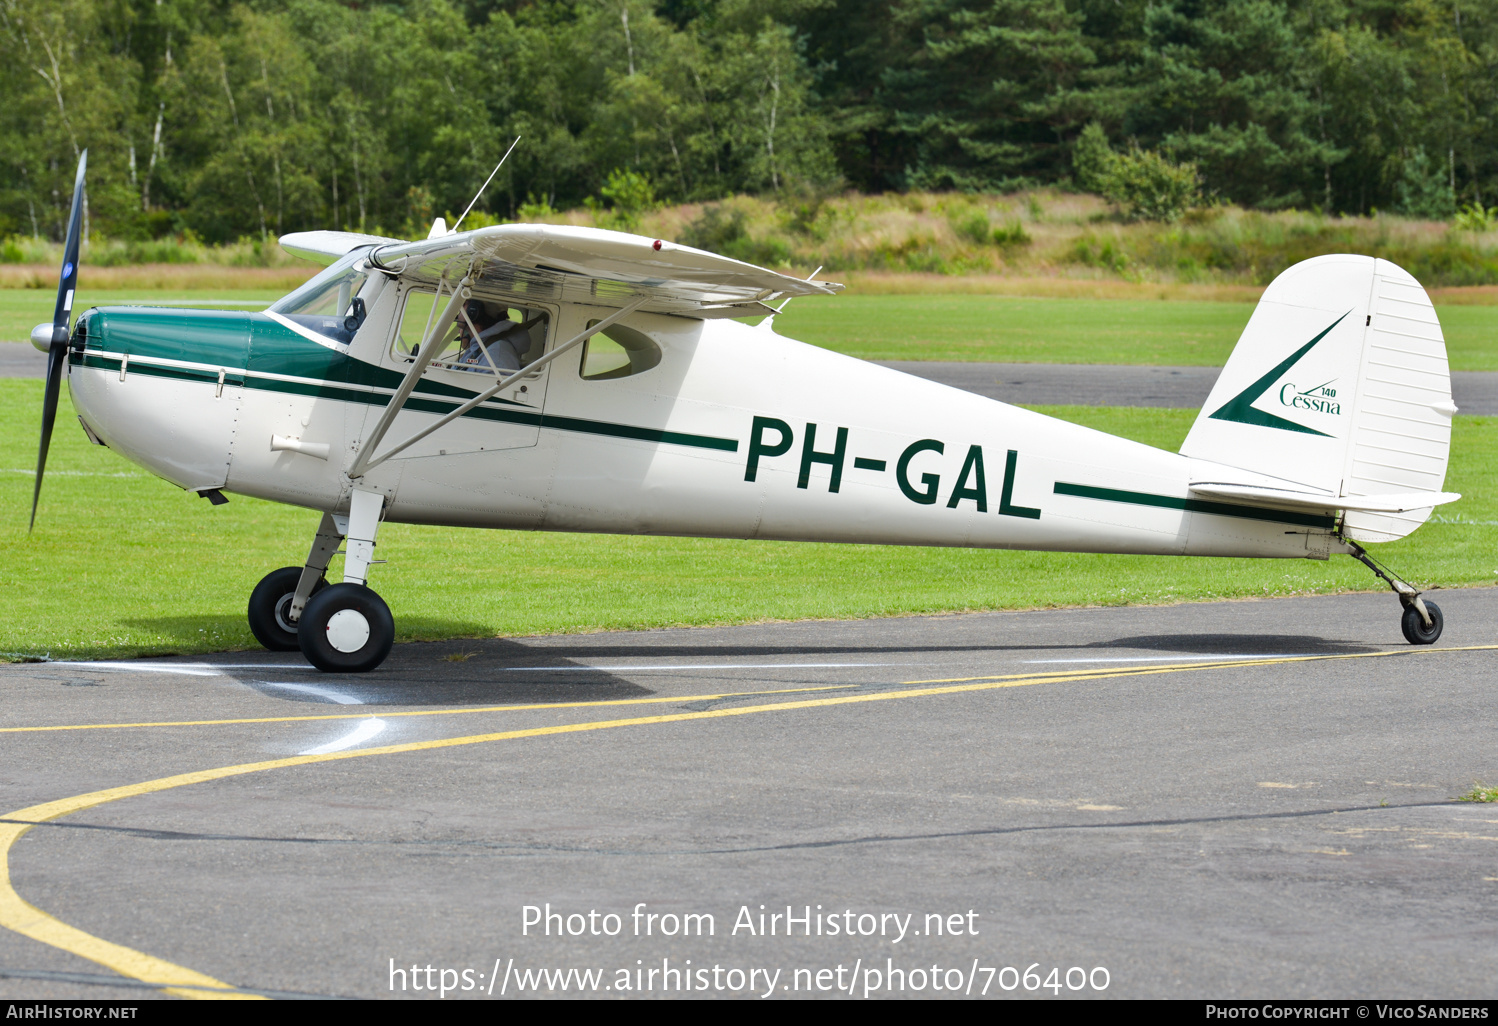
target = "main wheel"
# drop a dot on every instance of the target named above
(346, 628)
(1415, 631)
(270, 608)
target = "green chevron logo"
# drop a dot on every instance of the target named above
(1241, 409)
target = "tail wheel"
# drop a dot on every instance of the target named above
(346, 628)
(1415, 631)
(270, 608)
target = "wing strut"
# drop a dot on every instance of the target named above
(362, 465)
(413, 375)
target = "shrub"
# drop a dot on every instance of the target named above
(1475, 218)
(724, 230)
(536, 209)
(973, 228)
(630, 195)
(1011, 235)
(717, 229)
(1424, 189)
(1092, 160)
(1153, 188)
(1147, 184)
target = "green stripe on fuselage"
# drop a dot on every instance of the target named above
(340, 393)
(1219, 509)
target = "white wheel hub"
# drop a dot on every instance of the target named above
(348, 630)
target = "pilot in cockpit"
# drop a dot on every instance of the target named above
(495, 335)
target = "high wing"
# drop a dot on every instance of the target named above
(562, 263)
(326, 247)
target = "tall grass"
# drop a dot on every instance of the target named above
(1032, 235)
(97, 252)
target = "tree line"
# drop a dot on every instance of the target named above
(225, 119)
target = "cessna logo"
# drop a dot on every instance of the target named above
(1319, 399)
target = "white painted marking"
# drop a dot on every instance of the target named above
(342, 698)
(701, 666)
(1172, 657)
(190, 669)
(360, 734)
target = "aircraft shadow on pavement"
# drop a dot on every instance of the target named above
(504, 671)
(1238, 644)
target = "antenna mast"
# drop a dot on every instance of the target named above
(486, 182)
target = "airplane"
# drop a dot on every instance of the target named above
(612, 387)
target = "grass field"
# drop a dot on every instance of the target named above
(1010, 329)
(954, 326)
(124, 564)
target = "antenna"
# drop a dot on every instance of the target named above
(486, 183)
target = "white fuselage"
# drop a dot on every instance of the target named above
(737, 433)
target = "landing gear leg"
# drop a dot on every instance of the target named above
(347, 628)
(1422, 621)
(277, 602)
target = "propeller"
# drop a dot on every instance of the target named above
(54, 337)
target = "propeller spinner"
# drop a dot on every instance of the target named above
(53, 338)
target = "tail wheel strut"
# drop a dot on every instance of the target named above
(1422, 621)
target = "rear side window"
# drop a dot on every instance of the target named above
(618, 352)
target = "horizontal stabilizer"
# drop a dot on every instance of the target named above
(1393, 502)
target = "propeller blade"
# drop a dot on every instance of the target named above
(57, 352)
(67, 283)
(56, 357)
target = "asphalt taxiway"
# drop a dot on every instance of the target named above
(1229, 799)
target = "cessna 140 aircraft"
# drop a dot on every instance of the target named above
(571, 379)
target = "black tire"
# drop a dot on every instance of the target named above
(270, 603)
(329, 644)
(1415, 631)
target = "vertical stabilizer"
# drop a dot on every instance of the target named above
(1339, 385)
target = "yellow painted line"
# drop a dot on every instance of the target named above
(459, 711)
(1268, 661)
(20, 916)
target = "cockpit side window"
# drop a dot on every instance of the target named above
(509, 337)
(329, 304)
(617, 352)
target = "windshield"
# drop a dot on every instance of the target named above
(327, 304)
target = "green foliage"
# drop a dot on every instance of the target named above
(629, 194)
(974, 228)
(723, 229)
(1012, 234)
(536, 210)
(1475, 218)
(1424, 190)
(1480, 793)
(1149, 186)
(1092, 160)
(718, 229)
(259, 119)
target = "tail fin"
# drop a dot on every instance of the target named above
(1338, 386)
